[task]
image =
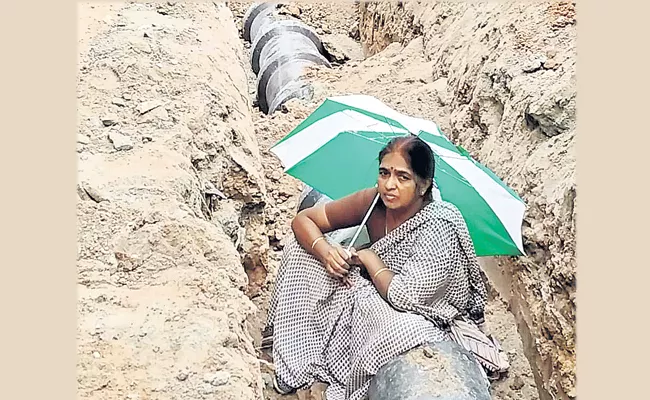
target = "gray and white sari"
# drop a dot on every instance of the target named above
(324, 331)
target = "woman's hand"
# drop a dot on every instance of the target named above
(335, 259)
(359, 258)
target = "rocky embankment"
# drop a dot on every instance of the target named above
(183, 212)
(170, 205)
(503, 84)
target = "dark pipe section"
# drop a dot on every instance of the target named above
(283, 30)
(436, 371)
(281, 71)
(254, 11)
(281, 48)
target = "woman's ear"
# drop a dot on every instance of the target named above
(421, 187)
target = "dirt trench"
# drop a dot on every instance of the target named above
(182, 210)
(399, 74)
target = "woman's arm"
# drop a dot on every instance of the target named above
(421, 277)
(310, 225)
(424, 277)
(381, 276)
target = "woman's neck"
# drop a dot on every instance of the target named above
(395, 218)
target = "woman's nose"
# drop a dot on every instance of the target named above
(390, 183)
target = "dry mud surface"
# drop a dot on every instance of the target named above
(173, 285)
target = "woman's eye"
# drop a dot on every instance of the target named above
(403, 178)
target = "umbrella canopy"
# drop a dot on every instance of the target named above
(335, 150)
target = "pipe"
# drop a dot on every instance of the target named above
(281, 49)
(436, 371)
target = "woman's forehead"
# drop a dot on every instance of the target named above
(395, 162)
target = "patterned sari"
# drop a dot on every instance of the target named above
(323, 331)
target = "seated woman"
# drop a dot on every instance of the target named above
(338, 317)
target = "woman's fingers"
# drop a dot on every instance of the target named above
(344, 254)
(340, 261)
(332, 272)
(335, 270)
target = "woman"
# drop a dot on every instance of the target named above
(337, 317)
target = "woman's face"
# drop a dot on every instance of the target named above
(396, 182)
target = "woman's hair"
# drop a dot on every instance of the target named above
(417, 154)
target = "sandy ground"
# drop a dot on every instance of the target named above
(400, 76)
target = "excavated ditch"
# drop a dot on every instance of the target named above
(183, 212)
(411, 64)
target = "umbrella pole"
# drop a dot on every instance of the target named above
(363, 223)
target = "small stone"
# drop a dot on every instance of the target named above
(268, 380)
(118, 102)
(198, 155)
(158, 114)
(551, 64)
(147, 138)
(293, 10)
(207, 389)
(120, 142)
(83, 139)
(276, 175)
(92, 192)
(109, 119)
(428, 353)
(96, 354)
(182, 376)
(218, 378)
(141, 47)
(517, 383)
(148, 105)
(126, 96)
(532, 66)
(353, 32)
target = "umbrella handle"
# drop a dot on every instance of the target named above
(363, 223)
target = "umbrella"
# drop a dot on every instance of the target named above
(335, 150)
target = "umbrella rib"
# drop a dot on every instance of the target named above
(463, 181)
(373, 139)
(348, 113)
(366, 138)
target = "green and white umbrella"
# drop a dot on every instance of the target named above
(335, 150)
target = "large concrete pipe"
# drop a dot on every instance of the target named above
(281, 49)
(437, 371)
(261, 10)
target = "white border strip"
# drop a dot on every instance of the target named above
(374, 105)
(309, 140)
(506, 207)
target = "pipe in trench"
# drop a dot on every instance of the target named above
(281, 49)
